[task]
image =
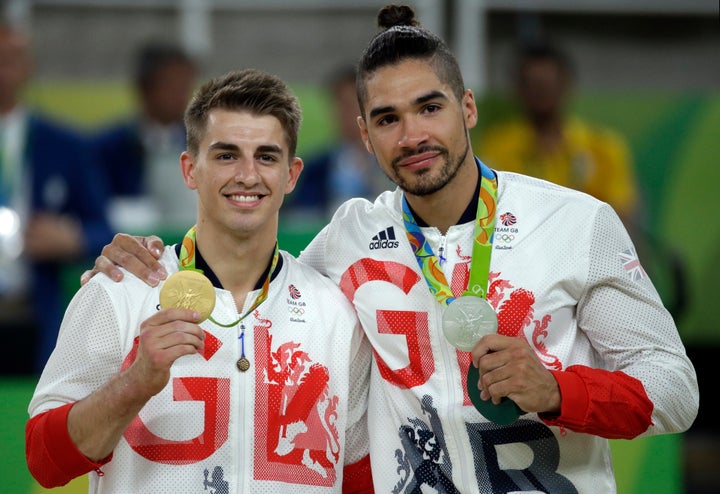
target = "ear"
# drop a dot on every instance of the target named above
(296, 167)
(364, 135)
(187, 165)
(470, 112)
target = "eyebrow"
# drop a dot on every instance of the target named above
(432, 95)
(226, 146)
(270, 148)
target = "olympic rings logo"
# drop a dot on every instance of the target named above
(505, 238)
(298, 311)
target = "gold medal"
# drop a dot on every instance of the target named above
(188, 289)
(243, 364)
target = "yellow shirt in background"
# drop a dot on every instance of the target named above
(591, 159)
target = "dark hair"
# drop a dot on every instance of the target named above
(543, 50)
(248, 90)
(402, 38)
(153, 56)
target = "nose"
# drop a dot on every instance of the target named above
(413, 133)
(246, 172)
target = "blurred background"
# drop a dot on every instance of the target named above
(643, 74)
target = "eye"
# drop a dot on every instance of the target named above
(225, 157)
(267, 158)
(432, 108)
(386, 120)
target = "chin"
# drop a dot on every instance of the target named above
(422, 184)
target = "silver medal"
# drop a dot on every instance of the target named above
(466, 320)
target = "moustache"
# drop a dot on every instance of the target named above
(420, 150)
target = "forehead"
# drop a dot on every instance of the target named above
(400, 83)
(244, 128)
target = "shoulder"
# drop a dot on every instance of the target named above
(323, 287)
(131, 283)
(542, 195)
(298, 269)
(547, 215)
(361, 210)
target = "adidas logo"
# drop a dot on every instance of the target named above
(385, 239)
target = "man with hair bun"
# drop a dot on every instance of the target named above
(584, 350)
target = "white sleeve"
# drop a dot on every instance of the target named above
(88, 351)
(622, 314)
(356, 435)
(314, 254)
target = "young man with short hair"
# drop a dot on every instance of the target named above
(269, 393)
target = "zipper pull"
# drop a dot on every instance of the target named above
(441, 250)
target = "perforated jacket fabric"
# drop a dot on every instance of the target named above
(288, 424)
(565, 277)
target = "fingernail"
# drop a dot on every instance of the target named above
(153, 280)
(161, 273)
(157, 252)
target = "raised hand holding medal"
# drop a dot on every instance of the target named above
(465, 321)
(189, 288)
(470, 317)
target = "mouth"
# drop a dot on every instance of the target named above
(245, 199)
(417, 160)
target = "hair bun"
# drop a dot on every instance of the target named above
(396, 15)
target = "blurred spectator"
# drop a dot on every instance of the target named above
(345, 169)
(52, 213)
(141, 154)
(547, 142)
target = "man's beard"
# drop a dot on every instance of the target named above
(425, 184)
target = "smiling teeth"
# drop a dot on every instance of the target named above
(245, 198)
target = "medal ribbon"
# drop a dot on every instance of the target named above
(482, 244)
(187, 261)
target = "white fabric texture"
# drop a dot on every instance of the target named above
(563, 276)
(288, 424)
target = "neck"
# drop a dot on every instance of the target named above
(445, 207)
(237, 261)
